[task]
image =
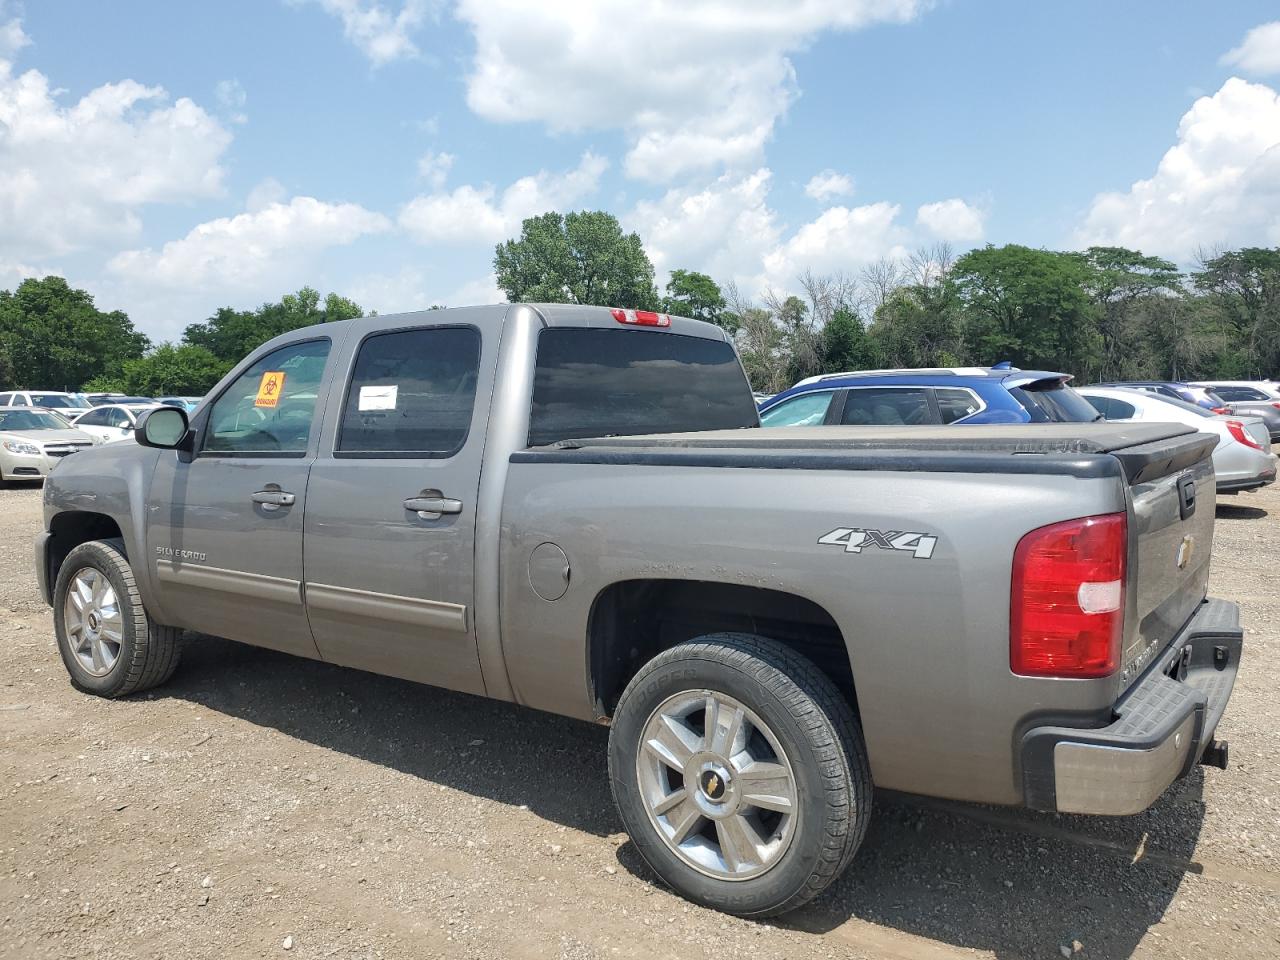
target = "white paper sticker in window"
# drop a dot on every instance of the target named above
(378, 398)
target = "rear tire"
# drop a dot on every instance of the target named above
(764, 813)
(109, 645)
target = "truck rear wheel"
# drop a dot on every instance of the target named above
(740, 773)
(108, 644)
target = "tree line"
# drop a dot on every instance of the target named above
(1105, 313)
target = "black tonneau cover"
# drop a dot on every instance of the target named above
(1143, 451)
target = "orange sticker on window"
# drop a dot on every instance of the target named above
(270, 388)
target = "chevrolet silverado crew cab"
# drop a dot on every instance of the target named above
(575, 509)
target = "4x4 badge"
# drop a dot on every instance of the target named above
(853, 539)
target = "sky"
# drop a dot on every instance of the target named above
(172, 158)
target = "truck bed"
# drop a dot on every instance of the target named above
(1139, 451)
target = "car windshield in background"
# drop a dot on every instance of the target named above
(1052, 401)
(59, 400)
(1189, 407)
(31, 420)
(597, 383)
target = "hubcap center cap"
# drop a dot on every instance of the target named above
(94, 621)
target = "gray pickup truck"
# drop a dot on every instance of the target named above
(574, 509)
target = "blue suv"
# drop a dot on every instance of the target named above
(999, 394)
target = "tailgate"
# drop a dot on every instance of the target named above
(1174, 497)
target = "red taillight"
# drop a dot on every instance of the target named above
(641, 318)
(1066, 613)
(1276, 404)
(1220, 410)
(1237, 430)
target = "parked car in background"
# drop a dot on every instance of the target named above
(921, 396)
(1175, 389)
(67, 404)
(32, 441)
(1242, 459)
(103, 399)
(112, 423)
(186, 403)
(1258, 398)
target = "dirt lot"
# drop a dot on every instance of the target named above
(262, 806)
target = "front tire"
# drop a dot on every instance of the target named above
(740, 773)
(108, 644)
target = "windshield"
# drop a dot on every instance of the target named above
(58, 400)
(1052, 401)
(1189, 407)
(31, 420)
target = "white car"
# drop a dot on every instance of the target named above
(113, 422)
(32, 441)
(1242, 459)
(68, 404)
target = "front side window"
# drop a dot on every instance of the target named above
(601, 383)
(806, 410)
(412, 393)
(95, 418)
(20, 401)
(119, 418)
(890, 406)
(269, 408)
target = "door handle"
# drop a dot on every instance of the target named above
(432, 508)
(273, 499)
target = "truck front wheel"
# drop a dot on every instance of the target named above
(108, 644)
(740, 773)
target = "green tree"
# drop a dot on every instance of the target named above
(185, 370)
(576, 258)
(53, 337)
(1025, 305)
(845, 344)
(231, 334)
(1244, 287)
(1120, 283)
(696, 295)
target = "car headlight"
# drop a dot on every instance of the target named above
(22, 447)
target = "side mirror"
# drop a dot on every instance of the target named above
(165, 428)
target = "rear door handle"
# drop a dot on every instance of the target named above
(433, 508)
(273, 499)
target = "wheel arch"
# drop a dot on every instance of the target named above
(632, 621)
(69, 529)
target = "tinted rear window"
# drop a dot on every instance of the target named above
(1049, 401)
(599, 383)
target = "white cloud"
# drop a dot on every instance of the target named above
(1259, 52)
(12, 36)
(724, 229)
(409, 289)
(952, 220)
(827, 184)
(470, 214)
(382, 32)
(840, 239)
(265, 192)
(76, 176)
(1219, 184)
(248, 254)
(694, 85)
(434, 168)
(232, 98)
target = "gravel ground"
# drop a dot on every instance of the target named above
(262, 806)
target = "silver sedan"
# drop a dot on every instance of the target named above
(32, 441)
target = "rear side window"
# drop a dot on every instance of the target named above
(1050, 401)
(954, 404)
(268, 409)
(412, 393)
(1239, 394)
(806, 410)
(598, 383)
(886, 406)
